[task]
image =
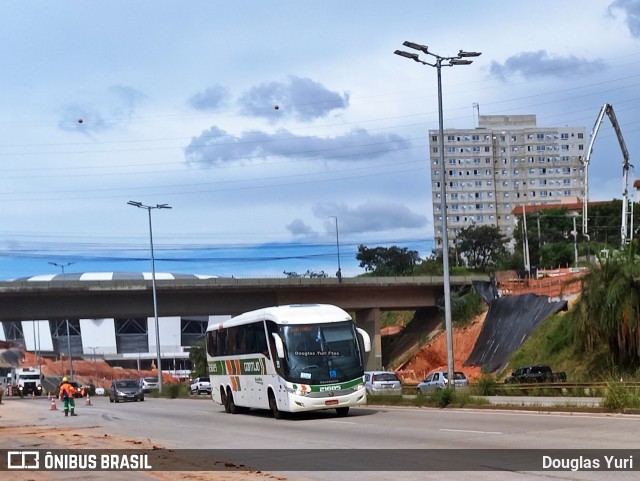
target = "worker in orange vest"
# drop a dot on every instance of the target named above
(67, 391)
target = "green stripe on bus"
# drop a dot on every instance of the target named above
(256, 366)
(334, 387)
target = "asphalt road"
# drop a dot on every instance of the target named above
(381, 431)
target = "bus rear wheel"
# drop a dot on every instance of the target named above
(223, 398)
(230, 405)
(343, 411)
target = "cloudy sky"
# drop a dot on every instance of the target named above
(167, 102)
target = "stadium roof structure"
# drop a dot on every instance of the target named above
(111, 276)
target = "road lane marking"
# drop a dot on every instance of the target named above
(469, 431)
(342, 422)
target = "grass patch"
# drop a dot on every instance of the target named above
(618, 398)
(486, 385)
(440, 398)
(171, 390)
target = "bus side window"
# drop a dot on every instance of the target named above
(211, 343)
(241, 337)
(271, 328)
(261, 340)
(221, 343)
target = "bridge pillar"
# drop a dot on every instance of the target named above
(369, 320)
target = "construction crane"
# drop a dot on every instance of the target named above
(608, 110)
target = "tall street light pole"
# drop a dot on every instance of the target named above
(62, 266)
(339, 273)
(438, 62)
(149, 208)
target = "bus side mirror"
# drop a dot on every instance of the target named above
(279, 344)
(366, 340)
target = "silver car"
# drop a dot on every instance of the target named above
(148, 383)
(439, 380)
(382, 382)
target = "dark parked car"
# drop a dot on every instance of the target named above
(125, 390)
(538, 373)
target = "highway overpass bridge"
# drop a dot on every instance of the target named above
(98, 301)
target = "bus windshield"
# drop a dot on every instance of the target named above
(321, 353)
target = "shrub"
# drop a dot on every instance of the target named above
(442, 397)
(618, 397)
(486, 385)
(174, 390)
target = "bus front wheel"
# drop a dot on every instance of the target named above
(343, 411)
(273, 405)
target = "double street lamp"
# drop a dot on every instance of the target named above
(438, 62)
(61, 266)
(153, 282)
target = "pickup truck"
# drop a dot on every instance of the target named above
(538, 373)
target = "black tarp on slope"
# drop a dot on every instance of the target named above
(10, 358)
(487, 290)
(509, 321)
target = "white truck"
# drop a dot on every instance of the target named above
(24, 381)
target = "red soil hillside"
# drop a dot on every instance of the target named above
(99, 372)
(434, 355)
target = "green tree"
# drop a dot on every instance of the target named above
(198, 358)
(481, 245)
(609, 310)
(557, 255)
(549, 227)
(388, 261)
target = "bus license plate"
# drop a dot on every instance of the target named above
(331, 402)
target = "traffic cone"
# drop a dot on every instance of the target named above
(88, 403)
(53, 405)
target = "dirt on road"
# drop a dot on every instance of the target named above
(17, 432)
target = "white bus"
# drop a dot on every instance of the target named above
(288, 359)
